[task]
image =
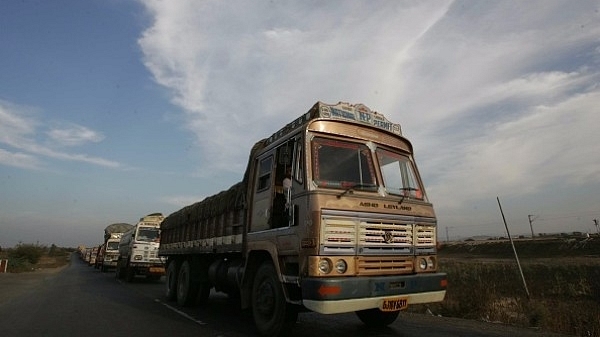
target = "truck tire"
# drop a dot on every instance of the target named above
(187, 285)
(377, 318)
(272, 314)
(171, 281)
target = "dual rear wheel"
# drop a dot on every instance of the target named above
(184, 283)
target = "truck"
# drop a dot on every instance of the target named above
(93, 255)
(352, 229)
(99, 256)
(110, 248)
(138, 250)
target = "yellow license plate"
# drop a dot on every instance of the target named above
(394, 304)
(157, 269)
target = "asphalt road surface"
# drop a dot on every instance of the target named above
(78, 300)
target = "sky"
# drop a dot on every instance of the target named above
(114, 109)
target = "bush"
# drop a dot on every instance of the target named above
(28, 252)
(19, 265)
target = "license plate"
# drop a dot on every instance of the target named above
(394, 304)
(157, 269)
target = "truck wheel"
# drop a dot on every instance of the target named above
(272, 314)
(376, 317)
(171, 281)
(187, 285)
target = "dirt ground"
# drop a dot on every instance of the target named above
(12, 285)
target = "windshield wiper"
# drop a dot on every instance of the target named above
(403, 196)
(408, 189)
(351, 188)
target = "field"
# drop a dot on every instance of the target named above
(562, 277)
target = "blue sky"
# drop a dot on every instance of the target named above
(110, 110)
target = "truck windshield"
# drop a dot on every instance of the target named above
(148, 234)
(398, 174)
(112, 245)
(343, 165)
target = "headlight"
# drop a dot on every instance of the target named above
(431, 262)
(341, 266)
(137, 257)
(325, 266)
(422, 263)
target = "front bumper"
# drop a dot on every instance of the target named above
(145, 268)
(338, 295)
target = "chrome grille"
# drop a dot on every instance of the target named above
(390, 265)
(373, 234)
(385, 238)
(425, 239)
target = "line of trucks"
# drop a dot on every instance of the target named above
(129, 250)
(331, 216)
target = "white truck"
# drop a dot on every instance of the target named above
(93, 255)
(138, 250)
(112, 237)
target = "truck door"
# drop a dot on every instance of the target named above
(261, 208)
(279, 172)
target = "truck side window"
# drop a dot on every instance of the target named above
(298, 172)
(264, 175)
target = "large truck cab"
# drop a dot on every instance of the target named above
(138, 249)
(355, 231)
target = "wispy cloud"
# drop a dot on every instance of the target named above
(255, 66)
(20, 133)
(74, 135)
(18, 159)
(494, 95)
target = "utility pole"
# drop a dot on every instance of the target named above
(597, 226)
(448, 239)
(531, 218)
(514, 249)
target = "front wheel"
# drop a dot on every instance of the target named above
(187, 285)
(171, 281)
(376, 317)
(272, 314)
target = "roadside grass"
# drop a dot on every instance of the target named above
(564, 288)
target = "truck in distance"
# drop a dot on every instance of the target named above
(138, 250)
(112, 237)
(331, 216)
(93, 255)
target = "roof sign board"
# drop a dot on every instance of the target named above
(358, 113)
(354, 113)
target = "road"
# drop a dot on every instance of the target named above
(81, 301)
